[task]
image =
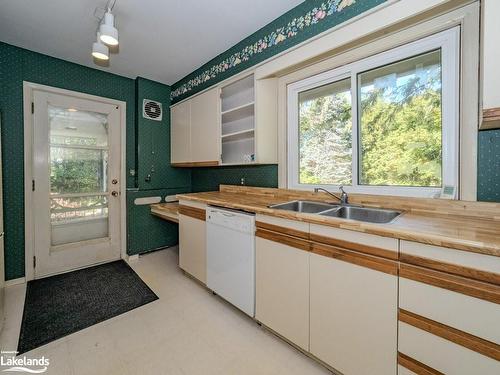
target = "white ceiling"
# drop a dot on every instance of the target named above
(163, 40)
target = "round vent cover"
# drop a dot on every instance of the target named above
(152, 110)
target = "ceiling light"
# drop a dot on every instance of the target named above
(108, 31)
(99, 50)
(72, 110)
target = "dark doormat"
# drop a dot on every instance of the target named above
(59, 305)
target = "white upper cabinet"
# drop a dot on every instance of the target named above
(180, 133)
(249, 109)
(205, 127)
(195, 129)
(490, 58)
(234, 123)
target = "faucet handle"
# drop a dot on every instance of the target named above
(341, 188)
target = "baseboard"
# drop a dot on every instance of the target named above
(133, 258)
(12, 282)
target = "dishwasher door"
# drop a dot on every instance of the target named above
(231, 257)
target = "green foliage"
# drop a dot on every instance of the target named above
(400, 134)
(325, 140)
(76, 171)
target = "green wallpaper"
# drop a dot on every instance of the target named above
(207, 179)
(306, 20)
(488, 177)
(146, 232)
(153, 142)
(18, 65)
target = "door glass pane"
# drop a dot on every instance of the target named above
(78, 142)
(325, 134)
(74, 170)
(400, 123)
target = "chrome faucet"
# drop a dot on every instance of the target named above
(344, 198)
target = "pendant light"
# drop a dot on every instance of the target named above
(108, 31)
(99, 50)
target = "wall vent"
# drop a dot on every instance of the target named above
(152, 110)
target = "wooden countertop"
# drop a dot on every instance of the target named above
(469, 226)
(167, 211)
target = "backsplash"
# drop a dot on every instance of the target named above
(209, 179)
(488, 176)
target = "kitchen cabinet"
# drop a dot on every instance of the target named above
(180, 133)
(490, 56)
(192, 240)
(248, 121)
(205, 127)
(282, 286)
(231, 124)
(353, 313)
(194, 131)
(435, 281)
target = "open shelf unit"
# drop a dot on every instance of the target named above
(238, 122)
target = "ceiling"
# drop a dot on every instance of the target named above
(163, 40)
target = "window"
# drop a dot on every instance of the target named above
(387, 124)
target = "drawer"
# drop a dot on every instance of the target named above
(469, 314)
(293, 228)
(443, 355)
(362, 242)
(475, 266)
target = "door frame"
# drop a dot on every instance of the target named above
(29, 236)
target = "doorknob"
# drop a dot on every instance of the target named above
(114, 181)
(114, 193)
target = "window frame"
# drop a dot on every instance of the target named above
(448, 42)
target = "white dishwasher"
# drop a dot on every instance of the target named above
(231, 256)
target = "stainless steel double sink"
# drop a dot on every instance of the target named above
(352, 212)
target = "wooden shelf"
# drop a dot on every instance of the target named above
(236, 136)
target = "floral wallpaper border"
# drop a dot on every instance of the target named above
(297, 25)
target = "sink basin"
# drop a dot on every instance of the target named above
(371, 215)
(304, 206)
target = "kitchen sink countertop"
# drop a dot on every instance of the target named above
(469, 226)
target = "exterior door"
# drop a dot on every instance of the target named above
(76, 170)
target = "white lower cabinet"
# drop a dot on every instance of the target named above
(192, 247)
(353, 317)
(282, 290)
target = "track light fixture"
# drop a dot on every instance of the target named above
(99, 50)
(107, 34)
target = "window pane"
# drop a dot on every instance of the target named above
(400, 123)
(325, 132)
(74, 170)
(78, 147)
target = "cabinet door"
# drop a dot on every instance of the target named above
(192, 247)
(180, 133)
(353, 316)
(489, 61)
(205, 133)
(282, 290)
